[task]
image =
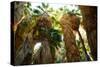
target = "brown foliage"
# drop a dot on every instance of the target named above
(75, 21)
(44, 21)
(41, 22)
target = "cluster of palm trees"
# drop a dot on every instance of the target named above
(48, 26)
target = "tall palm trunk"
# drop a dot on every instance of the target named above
(72, 51)
(43, 55)
(89, 14)
(46, 53)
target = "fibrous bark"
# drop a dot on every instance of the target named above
(89, 14)
(72, 51)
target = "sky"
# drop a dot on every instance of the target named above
(56, 5)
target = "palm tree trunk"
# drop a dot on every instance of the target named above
(72, 51)
(89, 14)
